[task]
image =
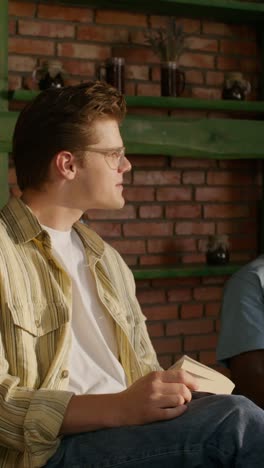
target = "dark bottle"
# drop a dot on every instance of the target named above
(49, 81)
(217, 250)
(235, 87)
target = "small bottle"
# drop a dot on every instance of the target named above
(217, 250)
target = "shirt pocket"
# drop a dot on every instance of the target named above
(38, 319)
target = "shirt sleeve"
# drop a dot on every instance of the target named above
(242, 316)
(30, 419)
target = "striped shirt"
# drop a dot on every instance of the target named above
(35, 326)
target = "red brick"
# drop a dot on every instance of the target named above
(147, 160)
(12, 26)
(208, 358)
(161, 312)
(151, 211)
(183, 211)
(157, 177)
(150, 296)
(214, 279)
(212, 309)
(157, 260)
(156, 329)
(137, 72)
(129, 247)
(195, 60)
(208, 293)
(106, 229)
(20, 63)
(193, 163)
(248, 242)
(191, 311)
(85, 51)
(143, 284)
(175, 282)
(66, 13)
(221, 194)
(171, 245)
(128, 212)
(249, 66)
(222, 29)
(199, 228)
(139, 194)
(180, 295)
(165, 361)
(120, 17)
(21, 9)
(204, 44)
(194, 77)
(206, 93)
(167, 345)
(79, 67)
(138, 37)
(46, 29)
(131, 260)
(173, 194)
(148, 89)
(193, 258)
(226, 211)
(101, 34)
(215, 78)
(192, 343)
(229, 178)
(237, 227)
(148, 229)
(236, 48)
(189, 327)
(193, 177)
(20, 45)
(227, 63)
(14, 82)
(135, 54)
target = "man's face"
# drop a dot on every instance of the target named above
(100, 176)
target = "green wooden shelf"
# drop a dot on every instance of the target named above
(224, 10)
(161, 102)
(194, 138)
(194, 103)
(184, 271)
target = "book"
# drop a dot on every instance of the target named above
(209, 379)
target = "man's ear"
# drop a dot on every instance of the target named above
(65, 164)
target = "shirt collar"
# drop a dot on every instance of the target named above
(24, 226)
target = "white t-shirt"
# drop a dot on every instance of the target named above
(94, 365)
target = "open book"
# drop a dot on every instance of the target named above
(209, 380)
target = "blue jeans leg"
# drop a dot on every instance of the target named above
(215, 431)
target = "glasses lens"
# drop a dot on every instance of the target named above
(114, 158)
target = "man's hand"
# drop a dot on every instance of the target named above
(158, 396)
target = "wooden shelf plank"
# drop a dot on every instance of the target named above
(194, 103)
(184, 271)
(162, 102)
(194, 138)
(223, 10)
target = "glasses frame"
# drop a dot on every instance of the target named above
(108, 153)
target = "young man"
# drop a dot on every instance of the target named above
(243, 311)
(80, 382)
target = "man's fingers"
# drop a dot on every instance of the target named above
(180, 376)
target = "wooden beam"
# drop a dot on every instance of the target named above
(195, 138)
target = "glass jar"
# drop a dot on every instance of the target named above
(217, 250)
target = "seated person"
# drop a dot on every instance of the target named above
(80, 383)
(241, 341)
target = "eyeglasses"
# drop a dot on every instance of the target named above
(113, 157)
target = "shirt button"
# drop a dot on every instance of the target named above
(37, 323)
(65, 374)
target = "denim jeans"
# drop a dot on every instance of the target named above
(215, 431)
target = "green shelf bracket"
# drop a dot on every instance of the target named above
(184, 271)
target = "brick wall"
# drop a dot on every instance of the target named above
(172, 204)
